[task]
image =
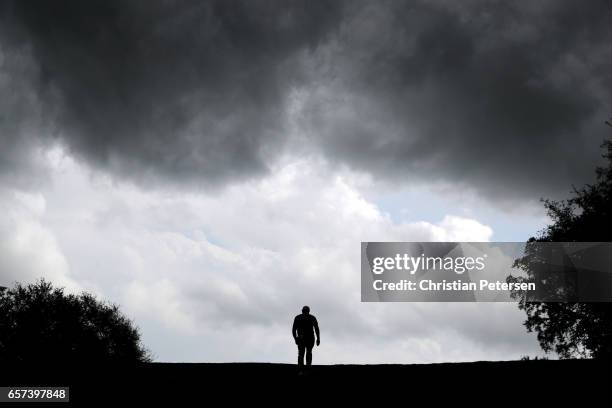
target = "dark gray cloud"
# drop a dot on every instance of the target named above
(170, 89)
(23, 118)
(508, 98)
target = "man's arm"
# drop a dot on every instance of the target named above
(316, 328)
(294, 330)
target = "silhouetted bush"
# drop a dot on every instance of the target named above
(41, 324)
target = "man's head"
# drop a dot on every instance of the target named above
(306, 310)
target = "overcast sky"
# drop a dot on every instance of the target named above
(213, 166)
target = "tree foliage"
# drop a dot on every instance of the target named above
(574, 329)
(40, 323)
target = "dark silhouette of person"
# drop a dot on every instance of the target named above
(305, 326)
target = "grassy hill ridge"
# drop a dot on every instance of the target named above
(246, 382)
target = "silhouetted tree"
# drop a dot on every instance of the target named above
(40, 324)
(574, 329)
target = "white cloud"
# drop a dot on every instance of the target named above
(28, 248)
(219, 277)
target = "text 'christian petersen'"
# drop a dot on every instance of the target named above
(455, 285)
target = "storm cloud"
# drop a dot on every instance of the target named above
(507, 98)
(170, 90)
(504, 98)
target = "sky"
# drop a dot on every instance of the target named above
(213, 166)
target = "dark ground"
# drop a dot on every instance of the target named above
(493, 383)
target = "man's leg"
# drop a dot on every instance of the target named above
(309, 355)
(301, 349)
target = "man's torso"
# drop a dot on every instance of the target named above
(305, 326)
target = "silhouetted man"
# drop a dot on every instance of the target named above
(304, 328)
